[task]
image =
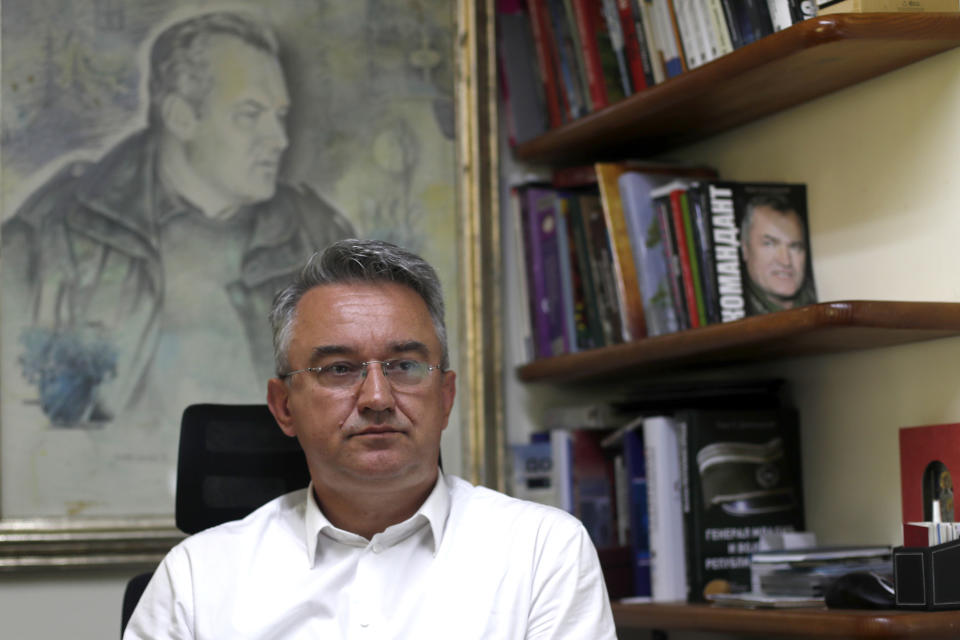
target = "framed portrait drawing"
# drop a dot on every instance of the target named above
(166, 167)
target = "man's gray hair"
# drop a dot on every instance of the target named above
(357, 261)
(774, 201)
(178, 58)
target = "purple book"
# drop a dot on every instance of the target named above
(546, 289)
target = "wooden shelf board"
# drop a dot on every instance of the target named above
(808, 60)
(827, 327)
(829, 623)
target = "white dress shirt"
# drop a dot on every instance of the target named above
(471, 563)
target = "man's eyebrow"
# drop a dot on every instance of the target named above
(325, 350)
(410, 345)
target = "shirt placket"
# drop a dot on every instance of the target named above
(366, 602)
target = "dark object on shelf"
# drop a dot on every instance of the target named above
(859, 590)
(927, 577)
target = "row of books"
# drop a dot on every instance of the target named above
(621, 251)
(685, 494)
(562, 59)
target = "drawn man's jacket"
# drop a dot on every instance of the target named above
(82, 254)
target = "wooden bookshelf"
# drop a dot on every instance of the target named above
(809, 59)
(827, 327)
(786, 623)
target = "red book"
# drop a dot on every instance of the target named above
(586, 12)
(689, 289)
(675, 190)
(546, 59)
(631, 45)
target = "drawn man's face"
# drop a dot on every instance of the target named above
(240, 134)
(775, 253)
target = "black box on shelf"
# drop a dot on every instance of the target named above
(927, 577)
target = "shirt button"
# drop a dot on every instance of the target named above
(377, 548)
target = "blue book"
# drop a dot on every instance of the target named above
(639, 514)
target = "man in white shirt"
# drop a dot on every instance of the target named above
(382, 544)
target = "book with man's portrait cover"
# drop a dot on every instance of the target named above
(760, 239)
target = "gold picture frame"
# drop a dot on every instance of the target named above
(119, 540)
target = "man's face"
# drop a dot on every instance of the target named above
(775, 252)
(240, 132)
(363, 437)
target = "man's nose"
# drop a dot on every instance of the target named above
(375, 393)
(274, 133)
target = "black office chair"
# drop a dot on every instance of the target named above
(232, 459)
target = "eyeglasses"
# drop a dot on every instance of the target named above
(345, 375)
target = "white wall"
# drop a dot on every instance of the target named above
(51, 606)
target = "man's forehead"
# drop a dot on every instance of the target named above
(239, 65)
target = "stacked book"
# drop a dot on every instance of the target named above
(802, 577)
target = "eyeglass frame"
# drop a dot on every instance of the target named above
(364, 368)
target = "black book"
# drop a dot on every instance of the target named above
(761, 255)
(741, 475)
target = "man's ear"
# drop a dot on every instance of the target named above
(278, 396)
(448, 389)
(178, 117)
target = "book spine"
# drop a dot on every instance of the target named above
(665, 220)
(591, 54)
(633, 324)
(567, 65)
(602, 265)
(718, 21)
(566, 276)
(695, 271)
(593, 479)
(638, 59)
(546, 286)
(617, 38)
(704, 29)
(759, 18)
(639, 515)
(650, 256)
(668, 39)
(582, 338)
(689, 291)
(682, 19)
(704, 250)
(591, 310)
(647, 14)
(577, 45)
(664, 502)
(542, 39)
(781, 16)
(733, 24)
(725, 235)
(521, 88)
(615, 75)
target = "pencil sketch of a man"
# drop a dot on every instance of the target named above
(132, 272)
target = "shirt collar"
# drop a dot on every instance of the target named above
(435, 510)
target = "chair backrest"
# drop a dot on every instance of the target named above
(233, 459)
